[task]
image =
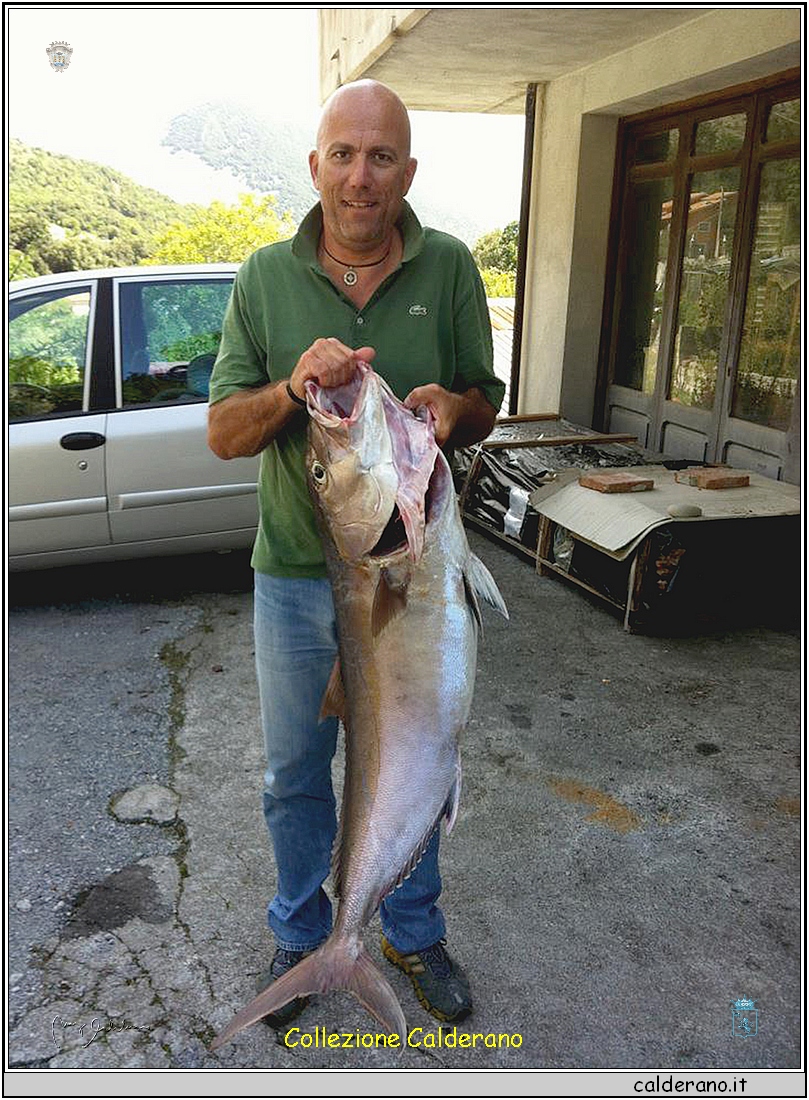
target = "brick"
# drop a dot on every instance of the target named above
(707, 477)
(616, 482)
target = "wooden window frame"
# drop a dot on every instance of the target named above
(754, 99)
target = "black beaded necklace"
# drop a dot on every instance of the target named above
(350, 276)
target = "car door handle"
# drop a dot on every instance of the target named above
(82, 441)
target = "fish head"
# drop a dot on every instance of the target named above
(350, 469)
(369, 465)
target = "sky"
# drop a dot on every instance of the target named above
(133, 68)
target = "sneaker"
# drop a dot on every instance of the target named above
(440, 984)
(283, 960)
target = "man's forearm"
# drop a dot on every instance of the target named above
(243, 424)
(475, 419)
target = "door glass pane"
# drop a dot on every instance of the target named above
(704, 286)
(720, 135)
(784, 123)
(170, 333)
(769, 359)
(648, 226)
(654, 148)
(47, 352)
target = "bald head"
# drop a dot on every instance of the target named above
(362, 168)
(366, 99)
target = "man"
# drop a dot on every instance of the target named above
(361, 280)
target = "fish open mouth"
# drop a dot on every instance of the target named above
(393, 538)
(337, 401)
(386, 437)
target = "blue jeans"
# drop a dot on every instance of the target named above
(296, 646)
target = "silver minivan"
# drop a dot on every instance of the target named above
(108, 377)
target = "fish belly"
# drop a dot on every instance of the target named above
(408, 694)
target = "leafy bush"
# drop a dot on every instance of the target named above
(499, 284)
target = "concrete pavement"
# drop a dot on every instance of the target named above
(626, 862)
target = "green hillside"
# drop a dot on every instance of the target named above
(69, 215)
(268, 157)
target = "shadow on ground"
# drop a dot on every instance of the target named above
(142, 580)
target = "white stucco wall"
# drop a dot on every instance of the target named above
(353, 38)
(572, 181)
(547, 283)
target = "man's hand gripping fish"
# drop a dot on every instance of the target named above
(406, 588)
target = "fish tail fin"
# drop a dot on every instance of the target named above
(341, 963)
(375, 992)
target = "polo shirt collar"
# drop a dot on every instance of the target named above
(305, 241)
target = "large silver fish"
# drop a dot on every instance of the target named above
(406, 588)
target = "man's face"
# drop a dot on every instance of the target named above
(362, 169)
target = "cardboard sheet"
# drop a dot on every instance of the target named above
(616, 523)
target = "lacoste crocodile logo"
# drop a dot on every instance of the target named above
(417, 311)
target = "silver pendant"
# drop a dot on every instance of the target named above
(350, 277)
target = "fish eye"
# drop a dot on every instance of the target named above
(318, 473)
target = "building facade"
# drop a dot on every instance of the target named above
(661, 243)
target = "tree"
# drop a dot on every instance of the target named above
(77, 251)
(19, 265)
(498, 249)
(222, 234)
(496, 255)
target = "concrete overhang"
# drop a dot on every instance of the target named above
(479, 59)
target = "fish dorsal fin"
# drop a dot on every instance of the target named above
(479, 582)
(334, 697)
(390, 600)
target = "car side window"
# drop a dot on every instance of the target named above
(170, 333)
(48, 338)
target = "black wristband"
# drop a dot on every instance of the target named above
(294, 397)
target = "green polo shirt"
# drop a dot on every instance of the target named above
(428, 322)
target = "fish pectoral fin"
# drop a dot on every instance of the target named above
(334, 697)
(390, 600)
(479, 582)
